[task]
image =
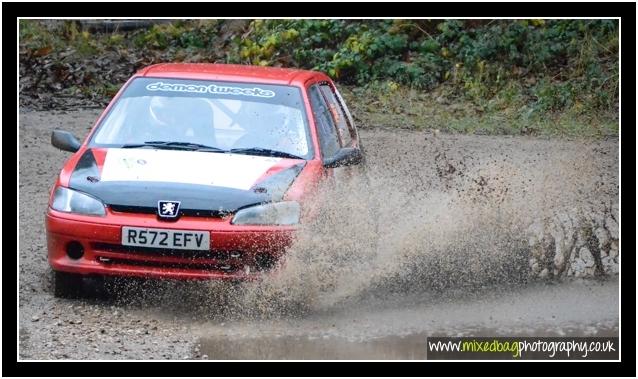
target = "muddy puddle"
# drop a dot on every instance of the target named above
(410, 347)
(397, 328)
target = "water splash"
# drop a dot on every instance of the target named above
(438, 214)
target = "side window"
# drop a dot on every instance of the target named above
(328, 138)
(338, 114)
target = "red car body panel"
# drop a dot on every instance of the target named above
(101, 236)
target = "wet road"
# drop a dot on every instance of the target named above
(397, 327)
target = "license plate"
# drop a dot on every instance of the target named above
(166, 238)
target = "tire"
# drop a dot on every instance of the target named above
(67, 285)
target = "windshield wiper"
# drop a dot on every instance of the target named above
(171, 145)
(264, 151)
(199, 147)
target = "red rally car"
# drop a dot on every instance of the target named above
(196, 171)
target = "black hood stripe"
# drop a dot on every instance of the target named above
(277, 184)
(86, 170)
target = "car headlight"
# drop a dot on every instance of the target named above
(282, 213)
(68, 200)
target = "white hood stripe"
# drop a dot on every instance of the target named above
(192, 167)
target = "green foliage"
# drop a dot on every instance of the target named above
(179, 34)
(560, 63)
(33, 35)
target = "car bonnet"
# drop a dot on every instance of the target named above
(205, 183)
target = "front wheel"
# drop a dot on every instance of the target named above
(67, 285)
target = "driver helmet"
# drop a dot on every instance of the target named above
(167, 111)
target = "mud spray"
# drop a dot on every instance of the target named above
(436, 214)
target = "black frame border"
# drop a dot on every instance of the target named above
(627, 13)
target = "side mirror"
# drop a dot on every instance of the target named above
(346, 156)
(65, 141)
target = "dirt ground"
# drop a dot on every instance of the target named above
(477, 235)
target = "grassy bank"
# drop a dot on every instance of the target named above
(532, 77)
(412, 109)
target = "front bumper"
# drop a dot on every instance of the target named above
(236, 252)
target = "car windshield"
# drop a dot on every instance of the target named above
(170, 113)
